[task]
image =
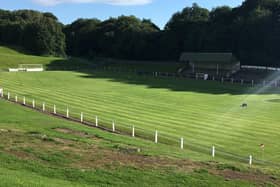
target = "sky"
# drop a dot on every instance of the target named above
(159, 11)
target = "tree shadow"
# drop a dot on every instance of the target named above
(71, 64)
(178, 84)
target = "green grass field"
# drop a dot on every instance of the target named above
(11, 58)
(39, 150)
(203, 113)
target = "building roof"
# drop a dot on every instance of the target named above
(209, 58)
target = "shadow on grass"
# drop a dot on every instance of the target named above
(95, 71)
(71, 64)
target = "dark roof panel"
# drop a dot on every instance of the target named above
(209, 57)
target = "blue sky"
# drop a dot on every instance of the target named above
(159, 11)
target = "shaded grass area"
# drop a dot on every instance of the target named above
(33, 152)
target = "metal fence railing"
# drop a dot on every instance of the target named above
(221, 79)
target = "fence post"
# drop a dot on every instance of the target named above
(182, 143)
(67, 112)
(156, 136)
(24, 100)
(252, 83)
(82, 117)
(213, 151)
(133, 131)
(16, 99)
(8, 95)
(213, 78)
(250, 160)
(222, 80)
(96, 121)
(113, 126)
(242, 82)
(33, 103)
(54, 109)
(232, 81)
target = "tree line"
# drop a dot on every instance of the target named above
(251, 31)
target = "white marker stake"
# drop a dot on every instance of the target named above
(44, 108)
(82, 117)
(16, 99)
(24, 102)
(182, 143)
(96, 121)
(156, 137)
(250, 160)
(33, 103)
(133, 131)
(67, 112)
(213, 151)
(54, 109)
(8, 95)
(113, 126)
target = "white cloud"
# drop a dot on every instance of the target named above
(111, 2)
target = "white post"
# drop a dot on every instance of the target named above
(133, 131)
(252, 83)
(16, 99)
(250, 160)
(213, 151)
(67, 112)
(8, 95)
(44, 108)
(222, 79)
(1, 92)
(96, 121)
(156, 137)
(182, 143)
(113, 126)
(213, 78)
(33, 103)
(24, 102)
(232, 81)
(54, 109)
(82, 117)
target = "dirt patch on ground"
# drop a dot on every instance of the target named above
(73, 132)
(77, 133)
(19, 154)
(95, 158)
(257, 178)
(90, 156)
